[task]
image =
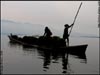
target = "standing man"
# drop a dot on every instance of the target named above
(65, 34)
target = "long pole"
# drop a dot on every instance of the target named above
(75, 18)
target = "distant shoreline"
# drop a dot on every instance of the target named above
(57, 35)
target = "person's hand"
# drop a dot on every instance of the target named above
(72, 24)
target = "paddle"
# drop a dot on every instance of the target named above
(75, 18)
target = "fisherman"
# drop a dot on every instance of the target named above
(47, 32)
(65, 34)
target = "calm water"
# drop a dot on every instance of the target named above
(19, 60)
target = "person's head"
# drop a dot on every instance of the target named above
(66, 25)
(46, 27)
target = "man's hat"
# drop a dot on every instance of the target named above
(66, 25)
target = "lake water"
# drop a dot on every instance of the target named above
(18, 60)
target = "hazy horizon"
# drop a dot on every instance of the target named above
(53, 14)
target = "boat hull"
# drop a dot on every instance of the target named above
(78, 49)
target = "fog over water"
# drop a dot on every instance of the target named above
(53, 14)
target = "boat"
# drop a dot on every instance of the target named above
(15, 39)
(74, 50)
(40, 41)
(41, 44)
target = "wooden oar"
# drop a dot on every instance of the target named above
(75, 18)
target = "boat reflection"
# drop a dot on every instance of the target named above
(53, 56)
(14, 44)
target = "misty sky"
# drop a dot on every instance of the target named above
(53, 13)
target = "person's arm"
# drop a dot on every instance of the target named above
(71, 25)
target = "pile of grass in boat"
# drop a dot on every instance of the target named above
(30, 40)
(54, 41)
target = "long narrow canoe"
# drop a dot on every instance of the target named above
(78, 49)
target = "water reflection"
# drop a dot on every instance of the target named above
(13, 44)
(53, 56)
(1, 65)
(81, 56)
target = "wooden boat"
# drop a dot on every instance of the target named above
(74, 50)
(78, 49)
(41, 41)
(14, 39)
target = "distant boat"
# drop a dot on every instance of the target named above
(46, 44)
